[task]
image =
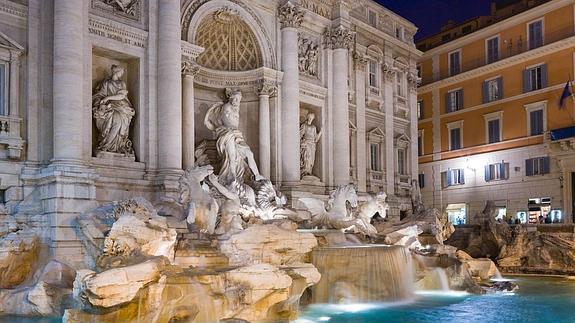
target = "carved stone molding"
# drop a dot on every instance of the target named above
(245, 79)
(308, 57)
(290, 15)
(266, 88)
(131, 9)
(338, 37)
(388, 71)
(360, 60)
(414, 81)
(107, 28)
(320, 7)
(190, 68)
(13, 9)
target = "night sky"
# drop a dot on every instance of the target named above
(430, 15)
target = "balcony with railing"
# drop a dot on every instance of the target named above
(10, 139)
(508, 48)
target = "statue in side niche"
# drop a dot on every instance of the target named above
(113, 112)
(309, 136)
(237, 157)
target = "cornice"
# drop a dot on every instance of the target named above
(523, 17)
(107, 28)
(13, 9)
(220, 79)
(503, 101)
(388, 38)
(506, 62)
(190, 50)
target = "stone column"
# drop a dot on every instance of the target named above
(169, 86)
(360, 65)
(290, 18)
(388, 108)
(265, 91)
(189, 70)
(339, 39)
(413, 81)
(68, 80)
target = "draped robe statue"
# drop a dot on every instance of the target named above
(308, 141)
(237, 157)
(113, 113)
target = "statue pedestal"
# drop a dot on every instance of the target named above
(117, 156)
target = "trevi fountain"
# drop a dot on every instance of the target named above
(234, 161)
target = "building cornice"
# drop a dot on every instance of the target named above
(490, 30)
(506, 62)
(500, 102)
(399, 43)
(13, 9)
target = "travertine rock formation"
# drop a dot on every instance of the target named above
(19, 252)
(268, 243)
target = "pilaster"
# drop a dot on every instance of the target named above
(290, 17)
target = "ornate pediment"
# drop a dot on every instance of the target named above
(10, 50)
(9, 43)
(376, 132)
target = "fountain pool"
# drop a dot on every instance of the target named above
(539, 299)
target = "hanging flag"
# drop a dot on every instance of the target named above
(566, 93)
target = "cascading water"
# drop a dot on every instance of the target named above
(359, 274)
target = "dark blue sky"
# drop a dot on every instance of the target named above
(430, 15)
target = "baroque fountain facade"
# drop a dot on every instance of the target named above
(201, 160)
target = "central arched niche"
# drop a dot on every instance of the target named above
(229, 43)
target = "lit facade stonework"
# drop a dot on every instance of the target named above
(351, 63)
(489, 103)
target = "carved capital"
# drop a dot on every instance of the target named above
(338, 37)
(290, 15)
(413, 80)
(190, 68)
(388, 71)
(360, 60)
(266, 88)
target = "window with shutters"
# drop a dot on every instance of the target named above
(455, 139)
(535, 34)
(421, 180)
(420, 114)
(492, 49)
(536, 118)
(537, 166)
(453, 177)
(455, 134)
(535, 78)
(401, 162)
(454, 100)
(372, 18)
(492, 90)
(3, 88)
(454, 59)
(374, 157)
(493, 128)
(400, 84)
(498, 171)
(420, 150)
(372, 73)
(493, 124)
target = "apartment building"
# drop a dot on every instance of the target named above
(490, 123)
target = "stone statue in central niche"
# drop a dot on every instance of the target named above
(237, 157)
(309, 136)
(113, 113)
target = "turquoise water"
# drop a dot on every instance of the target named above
(539, 299)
